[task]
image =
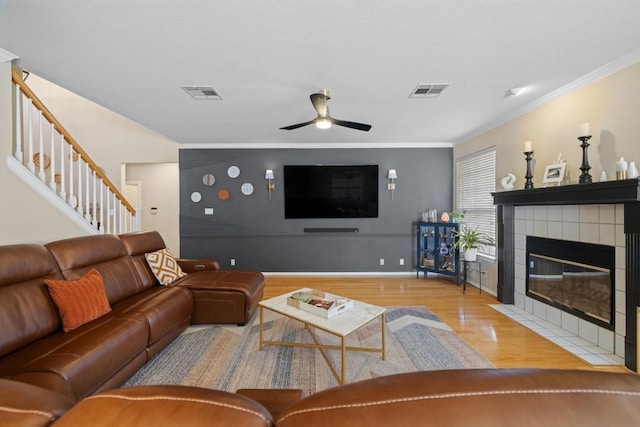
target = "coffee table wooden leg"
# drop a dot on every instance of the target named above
(261, 327)
(382, 322)
(342, 361)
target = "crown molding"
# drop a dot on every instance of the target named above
(6, 56)
(589, 78)
(315, 145)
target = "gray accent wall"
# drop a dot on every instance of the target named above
(253, 231)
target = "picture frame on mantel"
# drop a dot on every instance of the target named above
(554, 173)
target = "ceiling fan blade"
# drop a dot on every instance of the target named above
(299, 125)
(352, 125)
(319, 101)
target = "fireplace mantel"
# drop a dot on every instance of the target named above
(625, 192)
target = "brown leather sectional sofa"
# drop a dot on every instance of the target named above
(144, 316)
(70, 379)
(483, 397)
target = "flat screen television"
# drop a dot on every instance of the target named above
(330, 191)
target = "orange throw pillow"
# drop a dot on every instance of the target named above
(79, 301)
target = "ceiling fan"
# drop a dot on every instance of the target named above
(324, 120)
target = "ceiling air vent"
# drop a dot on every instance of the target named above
(202, 92)
(428, 90)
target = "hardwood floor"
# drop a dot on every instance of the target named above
(504, 342)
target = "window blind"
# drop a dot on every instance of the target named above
(475, 181)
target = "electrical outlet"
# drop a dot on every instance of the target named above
(401, 261)
(233, 262)
(381, 261)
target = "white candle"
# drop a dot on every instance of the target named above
(528, 146)
(584, 129)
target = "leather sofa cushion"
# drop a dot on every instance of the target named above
(24, 296)
(163, 308)
(480, 397)
(107, 254)
(166, 405)
(76, 363)
(28, 406)
(137, 245)
(79, 301)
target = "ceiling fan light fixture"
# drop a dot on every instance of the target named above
(323, 123)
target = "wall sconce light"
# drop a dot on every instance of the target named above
(392, 176)
(268, 175)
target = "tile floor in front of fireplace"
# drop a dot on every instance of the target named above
(580, 347)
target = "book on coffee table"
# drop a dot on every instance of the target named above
(321, 303)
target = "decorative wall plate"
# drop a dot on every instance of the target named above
(36, 160)
(223, 194)
(208, 179)
(233, 171)
(196, 197)
(247, 189)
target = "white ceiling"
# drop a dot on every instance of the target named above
(266, 57)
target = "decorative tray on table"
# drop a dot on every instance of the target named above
(320, 303)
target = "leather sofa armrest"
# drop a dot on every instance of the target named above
(274, 400)
(166, 405)
(23, 404)
(198, 264)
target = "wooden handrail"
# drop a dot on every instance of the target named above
(17, 79)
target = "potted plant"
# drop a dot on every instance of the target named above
(468, 240)
(456, 216)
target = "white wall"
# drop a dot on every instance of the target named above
(160, 189)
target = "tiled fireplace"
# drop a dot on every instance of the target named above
(605, 214)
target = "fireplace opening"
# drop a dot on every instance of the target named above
(575, 277)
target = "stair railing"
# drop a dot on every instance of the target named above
(49, 152)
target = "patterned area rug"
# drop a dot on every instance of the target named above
(227, 357)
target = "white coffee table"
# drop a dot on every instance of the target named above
(340, 326)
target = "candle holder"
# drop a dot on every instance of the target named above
(529, 183)
(585, 177)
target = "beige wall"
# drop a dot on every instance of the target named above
(159, 183)
(108, 138)
(25, 217)
(612, 107)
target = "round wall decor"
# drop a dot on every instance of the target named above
(196, 197)
(223, 194)
(233, 171)
(247, 189)
(208, 179)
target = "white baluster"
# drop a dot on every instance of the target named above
(80, 209)
(101, 225)
(94, 221)
(120, 221)
(87, 210)
(30, 163)
(73, 200)
(19, 141)
(63, 191)
(111, 204)
(41, 155)
(52, 171)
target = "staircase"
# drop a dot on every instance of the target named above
(46, 157)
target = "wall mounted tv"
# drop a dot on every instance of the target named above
(330, 191)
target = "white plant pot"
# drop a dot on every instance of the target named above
(471, 254)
